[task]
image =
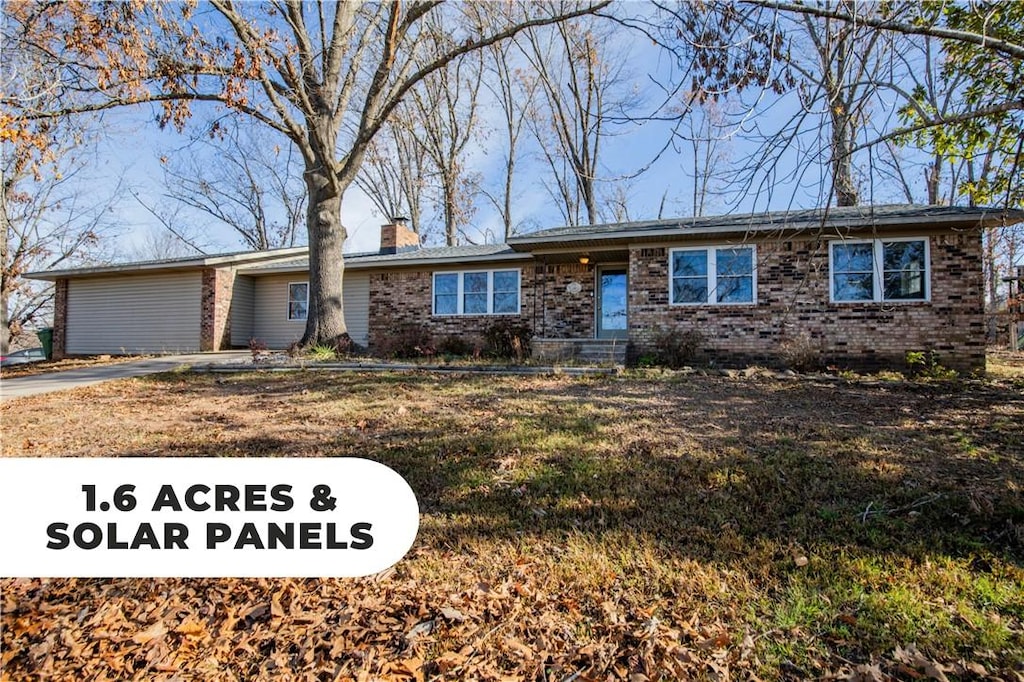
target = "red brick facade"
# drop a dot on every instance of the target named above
(792, 306)
(215, 325)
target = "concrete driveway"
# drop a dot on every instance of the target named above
(19, 387)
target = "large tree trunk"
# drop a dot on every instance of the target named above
(325, 323)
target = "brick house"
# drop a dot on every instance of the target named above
(861, 286)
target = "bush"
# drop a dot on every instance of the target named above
(408, 340)
(344, 346)
(508, 339)
(925, 365)
(801, 353)
(458, 345)
(257, 347)
(677, 349)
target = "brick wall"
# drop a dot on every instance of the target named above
(60, 318)
(793, 308)
(565, 315)
(403, 297)
(215, 324)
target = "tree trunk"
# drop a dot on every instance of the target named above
(325, 321)
(842, 157)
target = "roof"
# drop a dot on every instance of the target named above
(822, 221)
(438, 255)
(185, 263)
(838, 220)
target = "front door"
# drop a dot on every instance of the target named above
(612, 293)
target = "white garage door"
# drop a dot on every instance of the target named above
(134, 314)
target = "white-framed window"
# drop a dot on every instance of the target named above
(298, 300)
(722, 275)
(889, 270)
(476, 292)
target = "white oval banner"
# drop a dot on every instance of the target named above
(202, 517)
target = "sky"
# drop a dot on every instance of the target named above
(128, 165)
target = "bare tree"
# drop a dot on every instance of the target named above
(515, 98)
(579, 78)
(445, 105)
(703, 133)
(394, 173)
(326, 76)
(245, 178)
(48, 219)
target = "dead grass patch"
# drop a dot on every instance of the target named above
(586, 529)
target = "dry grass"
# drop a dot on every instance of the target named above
(602, 528)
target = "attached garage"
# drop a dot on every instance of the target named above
(138, 313)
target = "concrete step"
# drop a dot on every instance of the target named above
(598, 351)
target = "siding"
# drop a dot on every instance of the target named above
(270, 316)
(243, 303)
(356, 295)
(134, 314)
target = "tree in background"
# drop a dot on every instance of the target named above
(514, 94)
(46, 220)
(325, 76)
(580, 79)
(394, 172)
(245, 178)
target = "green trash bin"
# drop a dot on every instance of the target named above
(46, 339)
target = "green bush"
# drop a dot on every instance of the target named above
(925, 365)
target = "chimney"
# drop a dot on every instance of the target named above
(396, 237)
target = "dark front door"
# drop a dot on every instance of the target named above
(612, 292)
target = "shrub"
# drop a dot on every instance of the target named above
(344, 346)
(508, 339)
(408, 340)
(453, 344)
(677, 349)
(321, 353)
(257, 347)
(801, 353)
(925, 365)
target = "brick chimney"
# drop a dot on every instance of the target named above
(396, 237)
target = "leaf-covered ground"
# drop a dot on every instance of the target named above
(623, 528)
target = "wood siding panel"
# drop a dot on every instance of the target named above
(270, 309)
(243, 304)
(123, 315)
(356, 295)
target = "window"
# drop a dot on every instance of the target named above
(298, 300)
(879, 270)
(713, 274)
(479, 292)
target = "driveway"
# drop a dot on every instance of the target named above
(19, 387)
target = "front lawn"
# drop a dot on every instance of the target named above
(573, 529)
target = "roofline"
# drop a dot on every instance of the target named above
(770, 222)
(385, 263)
(170, 264)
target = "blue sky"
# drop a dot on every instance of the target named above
(131, 148)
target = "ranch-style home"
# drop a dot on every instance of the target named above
(862, 286)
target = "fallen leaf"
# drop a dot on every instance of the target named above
(155, 631)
